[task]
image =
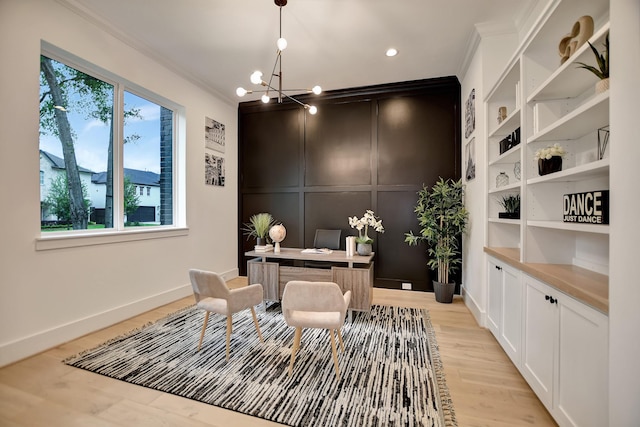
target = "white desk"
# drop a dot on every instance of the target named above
(356, 276)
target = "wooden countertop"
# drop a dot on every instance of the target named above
(584, 285)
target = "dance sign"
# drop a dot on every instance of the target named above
(591, 207)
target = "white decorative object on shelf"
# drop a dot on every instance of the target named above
(277, 234)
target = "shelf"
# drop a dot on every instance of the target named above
(568, 81)
(508, 125)
(569, 226)
(509, 187)
(510, 156)
(590, 116)
(505, 221)
(578, 173)
(585, 285)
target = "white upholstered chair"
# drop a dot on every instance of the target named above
(315, 305)
(214, 296)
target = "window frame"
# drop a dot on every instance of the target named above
(120, 233)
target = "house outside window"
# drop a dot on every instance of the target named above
(82, 99)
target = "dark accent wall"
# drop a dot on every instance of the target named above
(366, 148)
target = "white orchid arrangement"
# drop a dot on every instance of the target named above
(550, 151)
(362, 225)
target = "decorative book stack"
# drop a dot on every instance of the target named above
(264, 248)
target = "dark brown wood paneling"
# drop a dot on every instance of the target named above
(270, 149)
(396, 261)
(415, 135)
(338, 145)
(332, 210)
(367, 148)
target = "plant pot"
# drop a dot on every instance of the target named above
(444, 291)
(547, 166)
(260, 241)
(364, 249)
(602, 85)
(509, 215)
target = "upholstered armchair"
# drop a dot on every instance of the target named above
(315, 305)
(214, 296)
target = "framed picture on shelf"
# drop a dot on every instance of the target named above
(470, 114)
(213, 135)
(470, 156)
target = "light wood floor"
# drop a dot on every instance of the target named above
(486, 388)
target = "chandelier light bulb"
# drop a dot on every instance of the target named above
(313, 109)
(241, 91)
(317, 90)
(281, 43)
(391, 52)
(265, 99)
(256, 77)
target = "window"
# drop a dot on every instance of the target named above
(83, 131)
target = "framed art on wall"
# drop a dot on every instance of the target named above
(470, 114)
(470, 156)
(213, 135)
(213, 170)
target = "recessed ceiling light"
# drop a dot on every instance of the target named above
(392, 52)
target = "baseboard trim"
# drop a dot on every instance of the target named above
(24, 347)
(478, 313)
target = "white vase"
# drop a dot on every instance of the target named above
(602, 85)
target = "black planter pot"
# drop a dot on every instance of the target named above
(509, 215)
(444, 291)
(547, 166)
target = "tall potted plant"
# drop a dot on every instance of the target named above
(443, 218)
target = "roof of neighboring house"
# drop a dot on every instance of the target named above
(58, 163)
(135, 176)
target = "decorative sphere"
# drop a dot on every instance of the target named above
(277, 233)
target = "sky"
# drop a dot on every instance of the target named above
(92, 136)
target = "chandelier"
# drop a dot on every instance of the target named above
(256, 77)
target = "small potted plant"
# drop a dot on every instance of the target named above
(550, 159)
(602, 70)
(369, 219)
(442, 218)
(511, 206)
(258, 227)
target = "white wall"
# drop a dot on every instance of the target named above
(488, 61)
(624, 281)
(50, 296)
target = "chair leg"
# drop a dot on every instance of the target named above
(340, 339)
(255, 321)
(294, 349)
(229, 330)
(204, 328)
(334, 352)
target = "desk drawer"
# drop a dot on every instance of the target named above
(301, 273)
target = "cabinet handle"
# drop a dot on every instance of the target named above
(547, 297)
(551, 299)
(498, 267)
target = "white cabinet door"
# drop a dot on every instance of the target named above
(511, 332)
(494, 310)
(582, 396)
(540, 335)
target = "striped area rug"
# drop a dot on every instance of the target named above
(390, 372)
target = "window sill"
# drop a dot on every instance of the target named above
(73, 240)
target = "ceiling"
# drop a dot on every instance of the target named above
(334, 43)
